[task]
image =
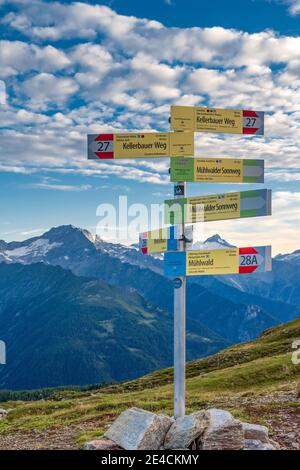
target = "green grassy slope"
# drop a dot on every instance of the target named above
(246, 379)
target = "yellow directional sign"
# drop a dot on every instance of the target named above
(212, 262)
(146, 145)
(229, 121)
(247, 260)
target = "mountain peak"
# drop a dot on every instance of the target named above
(214, 242)
(293, 257)
(216, 238)
(67, 230)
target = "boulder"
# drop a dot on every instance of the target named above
(3, 413)
(223, 432)
(256, 432)
(136, 429)
(185, 430)
(255, 444)
(103, 444)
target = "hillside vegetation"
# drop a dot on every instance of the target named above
(255, 381)
(61, 329)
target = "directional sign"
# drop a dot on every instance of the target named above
(218, 207)
(148, 145)
(216, 262)
(221, 170)
(164, 239)
(229, 121)
(159, 241)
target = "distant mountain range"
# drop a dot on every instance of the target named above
(105, 289)
(62, 329)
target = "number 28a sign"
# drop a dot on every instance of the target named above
(247, 260)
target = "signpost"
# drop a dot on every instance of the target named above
(217, 170)
(229, 121)
(146, 145)
(180, 321)
(172, 241)
(247, 260)
(218, 207)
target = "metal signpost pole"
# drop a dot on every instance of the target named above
(180, 323)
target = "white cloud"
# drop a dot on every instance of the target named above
(281, 230)
(61, 187)
(19, 57)
(125, 78)
(215, 45)
(69, 20)
(294, 6)
(47, 88)
(2, 92)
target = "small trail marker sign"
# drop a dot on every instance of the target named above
(163, 239)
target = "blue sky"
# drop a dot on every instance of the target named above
(67, 69)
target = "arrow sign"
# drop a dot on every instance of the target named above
(218, 262)
(229, 121)
(253, 259)
(217, 170)
(218, 207)
(146, 145)
(162, 240)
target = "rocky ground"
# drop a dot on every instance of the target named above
(279, 411)
(256, 382)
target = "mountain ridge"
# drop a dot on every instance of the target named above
(238, 308)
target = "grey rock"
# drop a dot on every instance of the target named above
(102, 444)
(136, 429)
(223, 432)
(255, 444)
(256, 432)
(3, 413)
(185, 430)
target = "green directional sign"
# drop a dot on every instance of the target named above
(218, 207)
(217, 170)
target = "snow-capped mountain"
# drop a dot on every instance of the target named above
(60, 243)
(212, 243)
(68, 245)
(225, 301)
(290, 257)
